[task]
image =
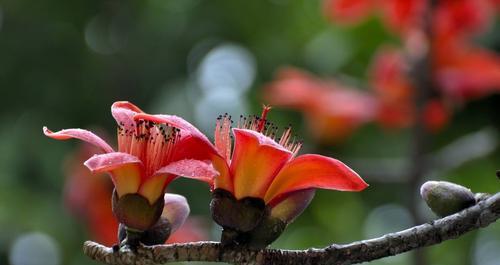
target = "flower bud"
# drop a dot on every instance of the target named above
(278, 215)
(238, 215)
(445, 198)
(292, 205)
(135, 212)
(175, 210)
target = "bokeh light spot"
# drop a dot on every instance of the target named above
(99, 36)
(219, 102)
(387, 219)
(226, 67)
(487, 246)
(34, 249)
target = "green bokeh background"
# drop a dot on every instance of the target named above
(63, 63)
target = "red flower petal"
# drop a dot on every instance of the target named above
(194, 145)
(80, 134)
(256, 161)
(126, 170)
(190, 168)
(468, 72)
(314, 171)
(155, 185)
(123, 112)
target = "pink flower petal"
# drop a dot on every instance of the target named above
(176, 210)
(110, 161)
(190, 168)
(123, 112)
(80, 134)
(194, 145)
(314, 171)
(155, 185)
(172, 120)
(125, 170)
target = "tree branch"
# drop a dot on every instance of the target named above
(480, 215)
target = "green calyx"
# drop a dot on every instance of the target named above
(445, 198)
(135, 211)
(245, 222)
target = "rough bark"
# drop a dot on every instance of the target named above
(480, 215)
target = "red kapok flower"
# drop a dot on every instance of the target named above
(150, 155)
(264, 186)
(88, 199)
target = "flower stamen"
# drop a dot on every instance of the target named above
(259, 124)
(223, 135)
(152, 143)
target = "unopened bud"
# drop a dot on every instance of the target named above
(292, 205)
(175, 210)
(445, 198)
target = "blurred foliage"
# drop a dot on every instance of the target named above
(62, 64)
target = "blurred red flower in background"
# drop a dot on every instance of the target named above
(333, 111)
(89, 197)
(395, 94)
(459, 70)
(456, 17)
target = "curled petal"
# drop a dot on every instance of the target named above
(123, 112)
(172, 120)
(256, 161)
(125, 170)
(193, 144)
(291, 205)
(314, 171)
(153, 187)
(80, 134)
(176, 210)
